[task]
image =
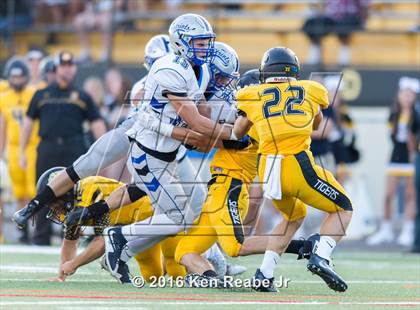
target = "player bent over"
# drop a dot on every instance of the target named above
(93, 189)
(284, 111)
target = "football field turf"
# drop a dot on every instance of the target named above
(376, 281)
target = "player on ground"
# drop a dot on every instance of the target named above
(108, 149)
(93, 189)
(284, 111)
(14, 101)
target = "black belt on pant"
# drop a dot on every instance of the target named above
(62, 140)
(168, 157)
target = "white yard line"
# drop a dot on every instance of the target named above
(198, 303)
(292, 281)
(28, 249)
(38, 269)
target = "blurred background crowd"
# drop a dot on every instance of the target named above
(366, 52)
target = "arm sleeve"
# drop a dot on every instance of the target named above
(100, 224)
(92, 112)
(72, 232)
(172, 82)
(33, 109)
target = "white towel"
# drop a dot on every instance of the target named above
(272, 177)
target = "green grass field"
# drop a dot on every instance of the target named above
(376, 280)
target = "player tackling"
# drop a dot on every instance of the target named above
(285, 111)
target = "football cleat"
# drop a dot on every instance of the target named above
(114, 244)
(22, 216)
(262, 284)
(103, 264)
(321, 267)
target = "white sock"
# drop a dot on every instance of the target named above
(408, 227)
(386, 225)
(126, 254)
(344, 55)
(325, 247)
(270, 261)
(126, 231)
(314, 55)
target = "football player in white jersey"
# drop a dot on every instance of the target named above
(108, 149)
(174, 90)
(157, 47)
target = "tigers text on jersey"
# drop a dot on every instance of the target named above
(283, 113)
(170, 74)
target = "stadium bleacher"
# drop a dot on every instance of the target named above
(390, 37)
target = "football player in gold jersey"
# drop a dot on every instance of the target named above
(92, 190)
(14, 101)
(284, 112)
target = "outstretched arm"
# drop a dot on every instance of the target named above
(188, 111)
(94, 250)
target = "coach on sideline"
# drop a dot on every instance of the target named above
(61, 109)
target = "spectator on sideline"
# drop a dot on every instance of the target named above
(34, 57)
(97, 15)
(94, 86)
(14, 15)
(341, 17)
(400, 168)
(61, 109)
(47, 69)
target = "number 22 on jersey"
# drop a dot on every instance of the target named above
(271, 107)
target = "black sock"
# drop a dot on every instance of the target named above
(210, 273)
(99, 208)
(295, 246)
(46, 196)
(303, 248)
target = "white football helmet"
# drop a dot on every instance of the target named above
(158, 46)
(225, 69)
(182, 33)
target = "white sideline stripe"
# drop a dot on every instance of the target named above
(31, 269)
(292, 281)
(29, 249)
(33, 249)
(140, 302)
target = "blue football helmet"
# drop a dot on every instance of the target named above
(183, 33)
(225, 70)
(157, 47)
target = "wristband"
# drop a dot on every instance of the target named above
(166, 129)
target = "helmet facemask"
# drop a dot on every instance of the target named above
(199, 49)
(223, 82)
(60, 208)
